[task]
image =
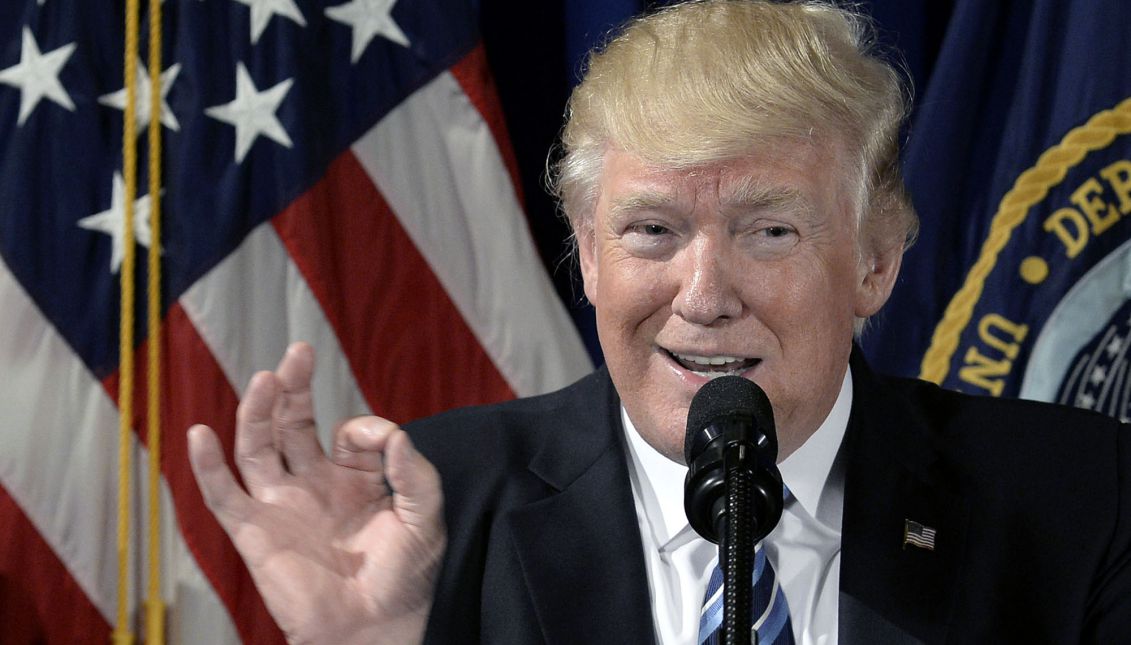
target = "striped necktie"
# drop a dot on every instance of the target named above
(770, 609)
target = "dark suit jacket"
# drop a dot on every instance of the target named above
(1031, 504)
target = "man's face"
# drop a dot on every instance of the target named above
(747, 267)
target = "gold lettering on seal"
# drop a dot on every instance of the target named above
(1087, 198)
(998, 333)
(1075, 239)
(1118, 176)
(1093, 215)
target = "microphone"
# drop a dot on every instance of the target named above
(733, 491)
(730, 416)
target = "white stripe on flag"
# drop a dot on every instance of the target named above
(59, 461)
(275, 307)
(473, 235)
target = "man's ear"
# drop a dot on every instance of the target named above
(880, 270)
(587, 256)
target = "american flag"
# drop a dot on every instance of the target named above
(918, 535)
(337, 171)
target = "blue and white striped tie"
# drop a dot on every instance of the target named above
(771, 611)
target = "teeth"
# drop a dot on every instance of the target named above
(714, 375)
(712, 367)
(708, 360)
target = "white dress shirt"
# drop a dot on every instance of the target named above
(804, 548)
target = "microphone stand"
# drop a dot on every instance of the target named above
(733, 491)
(736, 547)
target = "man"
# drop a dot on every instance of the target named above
(730, 171)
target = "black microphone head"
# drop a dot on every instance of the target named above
(722, 397)
(731, 435)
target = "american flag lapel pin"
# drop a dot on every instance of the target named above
(918, 535)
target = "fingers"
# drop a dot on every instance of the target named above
(295, 430)
(256, 456)
(222, 494)
(359, 443)
(417, 497)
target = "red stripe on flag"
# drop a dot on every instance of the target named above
(37, 590)
(408, 346)
(195, 390)
(473, 74)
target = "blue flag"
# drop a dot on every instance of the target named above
(1019, 163)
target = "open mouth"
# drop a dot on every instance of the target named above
(713, 366)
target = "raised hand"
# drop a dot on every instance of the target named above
(344, 548)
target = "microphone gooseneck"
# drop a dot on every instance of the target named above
(733, 491)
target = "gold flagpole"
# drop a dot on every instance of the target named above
(154, 604)
(122, 634)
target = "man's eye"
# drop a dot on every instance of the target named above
(651, 230)
(649, 239)
(769, 240)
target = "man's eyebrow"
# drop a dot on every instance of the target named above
(753, 195)
(741, 195)
(641, 201)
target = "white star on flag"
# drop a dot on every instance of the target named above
(368, 18)
(37, 75)
(1099, 374)
(110, 222)
(263, 10)
(168, 77)
(1114, 346)
(252, 112)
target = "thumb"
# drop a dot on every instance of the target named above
(417, 498)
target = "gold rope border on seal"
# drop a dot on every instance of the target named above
(1030, 188)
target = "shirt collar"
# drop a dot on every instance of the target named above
(658, 484)
(657, 481)
(806, 471)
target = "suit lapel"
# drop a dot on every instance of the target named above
(580, 548)
(890, 591)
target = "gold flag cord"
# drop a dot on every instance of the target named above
(122, 634)
(155, 608)
(154, 605)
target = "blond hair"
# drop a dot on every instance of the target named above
(712, 80)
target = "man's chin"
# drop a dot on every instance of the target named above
(669, 441)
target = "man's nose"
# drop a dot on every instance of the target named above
(707, 293)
